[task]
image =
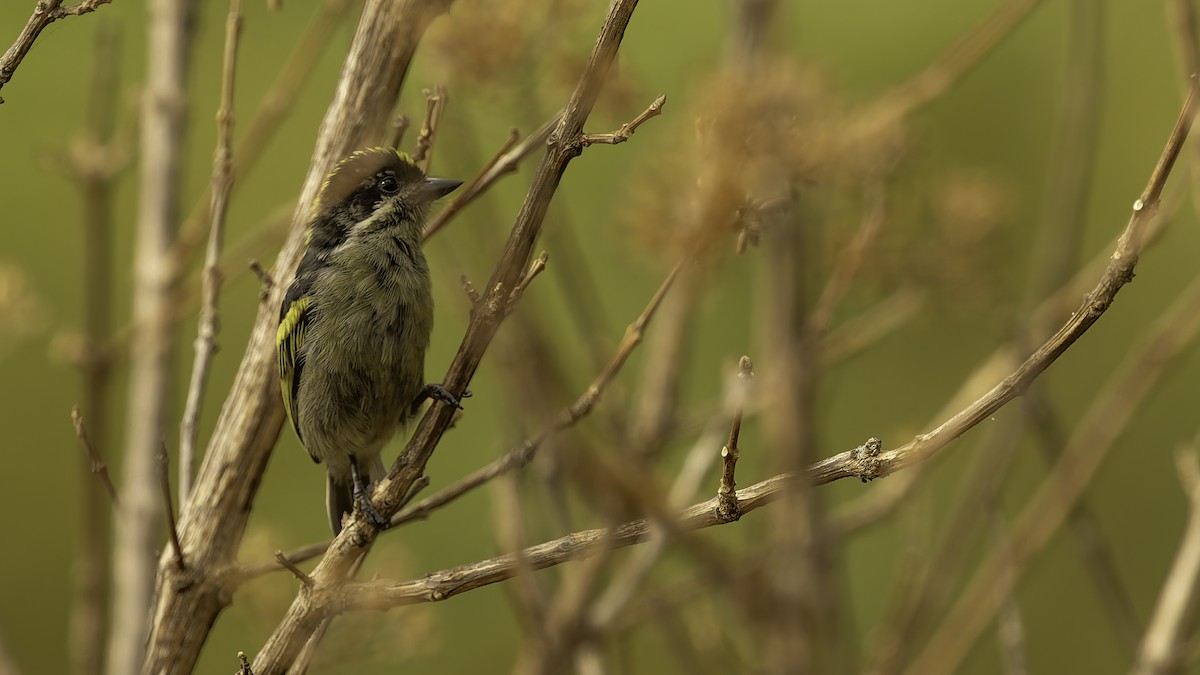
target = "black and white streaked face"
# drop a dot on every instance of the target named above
(372, 189)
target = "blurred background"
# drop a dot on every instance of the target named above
(956, 191)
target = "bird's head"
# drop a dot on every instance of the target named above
(372, 189)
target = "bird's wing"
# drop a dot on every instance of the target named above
(294, 319)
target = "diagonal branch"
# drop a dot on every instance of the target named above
(1117, 273)
(45, 12)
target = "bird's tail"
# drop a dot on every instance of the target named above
(339, 491)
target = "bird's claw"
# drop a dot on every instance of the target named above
(439, 393)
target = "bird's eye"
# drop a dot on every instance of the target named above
(388, 185)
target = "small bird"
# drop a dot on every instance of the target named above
(355, 324)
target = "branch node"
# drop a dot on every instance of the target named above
(435, 105)
(264, 278)
(296, 571)
(866, 459)
(727, 501)
(535, 269)
(621, 135)
(469, 287)
(98, 467)
(164, 479)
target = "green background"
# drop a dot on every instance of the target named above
(999, 122)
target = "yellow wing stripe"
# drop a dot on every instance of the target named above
(288, 342)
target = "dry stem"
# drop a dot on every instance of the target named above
(504, 162)
(727, 503)
(1118, 273)
(222, 183)
(98, 467)
(621, 135)
(45, 12)
(138, 533)
(435, 107)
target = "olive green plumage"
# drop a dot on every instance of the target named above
(355, 323)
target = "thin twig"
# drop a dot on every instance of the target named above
(287, 564)
(95, 158)
(535, 268)
(244, 664)
(1117, 273)
(209, 326)
(98, 467)
(469, 289)
(45, 12)
(621, 135)
(164, 481)
(437, 586)
(504, 162)
(726, 492)
(264, 279)
(435, 107)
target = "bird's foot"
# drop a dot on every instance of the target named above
(438, 393)
(362, 498)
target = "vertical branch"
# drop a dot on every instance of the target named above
(164, 106)
(94, 164)
(206, 333)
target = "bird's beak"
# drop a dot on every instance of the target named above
(436, 188)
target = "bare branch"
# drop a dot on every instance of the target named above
(1118, 272)
(504, 162)
(296, 571)
(222, 182)
(164, 481)
(435, 107)
(621, 135)
(45, 12)
(163, 120)
(727, 503)
(98, 467)
(535, 268)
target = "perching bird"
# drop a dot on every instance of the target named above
(355, 324)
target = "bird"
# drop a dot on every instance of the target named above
(356, 322)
